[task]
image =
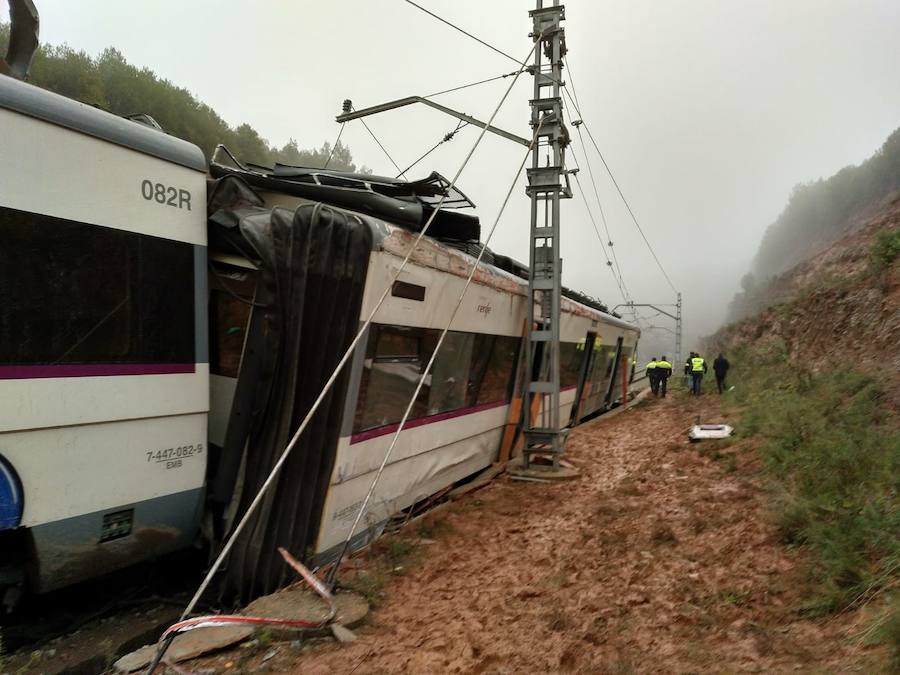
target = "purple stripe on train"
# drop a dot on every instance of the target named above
(361, 436)
(92, 370)
(421, 421)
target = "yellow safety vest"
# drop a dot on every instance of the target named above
(697, 364)
(651, 365)
(664, 364)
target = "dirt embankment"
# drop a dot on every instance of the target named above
(833, 311)
(659, 558)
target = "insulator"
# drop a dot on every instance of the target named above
(348, 106)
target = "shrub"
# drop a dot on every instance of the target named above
(834, 463)
(885, 250)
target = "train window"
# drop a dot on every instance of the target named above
(82, 294)
(471, 369)
(449, 379)
(402, 289)
(570, 358)
(492, 370)
(394, 361)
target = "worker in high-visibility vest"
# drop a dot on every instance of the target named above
(698, 368)
(651, 375)
(663, 372)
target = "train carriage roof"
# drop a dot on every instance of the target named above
(377, 201)
(41, 104)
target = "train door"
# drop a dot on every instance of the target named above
(586, 346)
(613, 372)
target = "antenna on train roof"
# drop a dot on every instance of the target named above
(24, 30)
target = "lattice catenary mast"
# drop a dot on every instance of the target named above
(547, 184)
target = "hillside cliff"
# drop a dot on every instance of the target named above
(821, 212)
(839, 308)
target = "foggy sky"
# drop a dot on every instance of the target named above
(708, 111)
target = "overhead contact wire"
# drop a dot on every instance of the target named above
(251, 509)
(620, 282)
(427, 369)
(471, 84)
(465, 32)
(578, 109)
(609, 238)
(590, 135)
(612, 177)
(447, 137)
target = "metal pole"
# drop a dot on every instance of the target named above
(545, 189)
(678, 332)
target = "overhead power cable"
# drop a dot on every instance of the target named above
(465, 32)
(447, 137)
(471, 84)
(264, 488)
(334, 147)
(379, 144)
(590, 135)
(425, 372)
(609, 239)
(613, 178)
(616, 277)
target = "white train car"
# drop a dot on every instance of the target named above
(457, 421)
(162, 334)
(103, 339)
(457, 424)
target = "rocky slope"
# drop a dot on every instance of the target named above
(833, 310)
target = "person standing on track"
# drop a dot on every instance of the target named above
(651, 375)
(663, 372)
(720, 367)
(698, 368)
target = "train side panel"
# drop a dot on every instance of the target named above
(103, 357)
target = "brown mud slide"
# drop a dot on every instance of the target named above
(662, 557)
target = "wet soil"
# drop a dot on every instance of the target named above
(662, 557)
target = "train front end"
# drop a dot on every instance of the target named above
(104, 377)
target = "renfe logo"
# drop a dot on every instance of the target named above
(484, 309)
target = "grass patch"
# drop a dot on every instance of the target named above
(738, 598)
(392, 555)
(834, 462)
(891, 632)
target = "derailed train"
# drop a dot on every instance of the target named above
(166, 323)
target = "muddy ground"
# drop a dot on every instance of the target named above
(662, 557)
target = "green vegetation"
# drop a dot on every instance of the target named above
(108, 81)
(833, 455)
(817, 214)
(392, 555)
(885, 250)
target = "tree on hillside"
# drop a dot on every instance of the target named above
(820, 212)
(817, 214)
(110, 82)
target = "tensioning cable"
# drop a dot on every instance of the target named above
(387, 455)
(574, 103)
(251, 509)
